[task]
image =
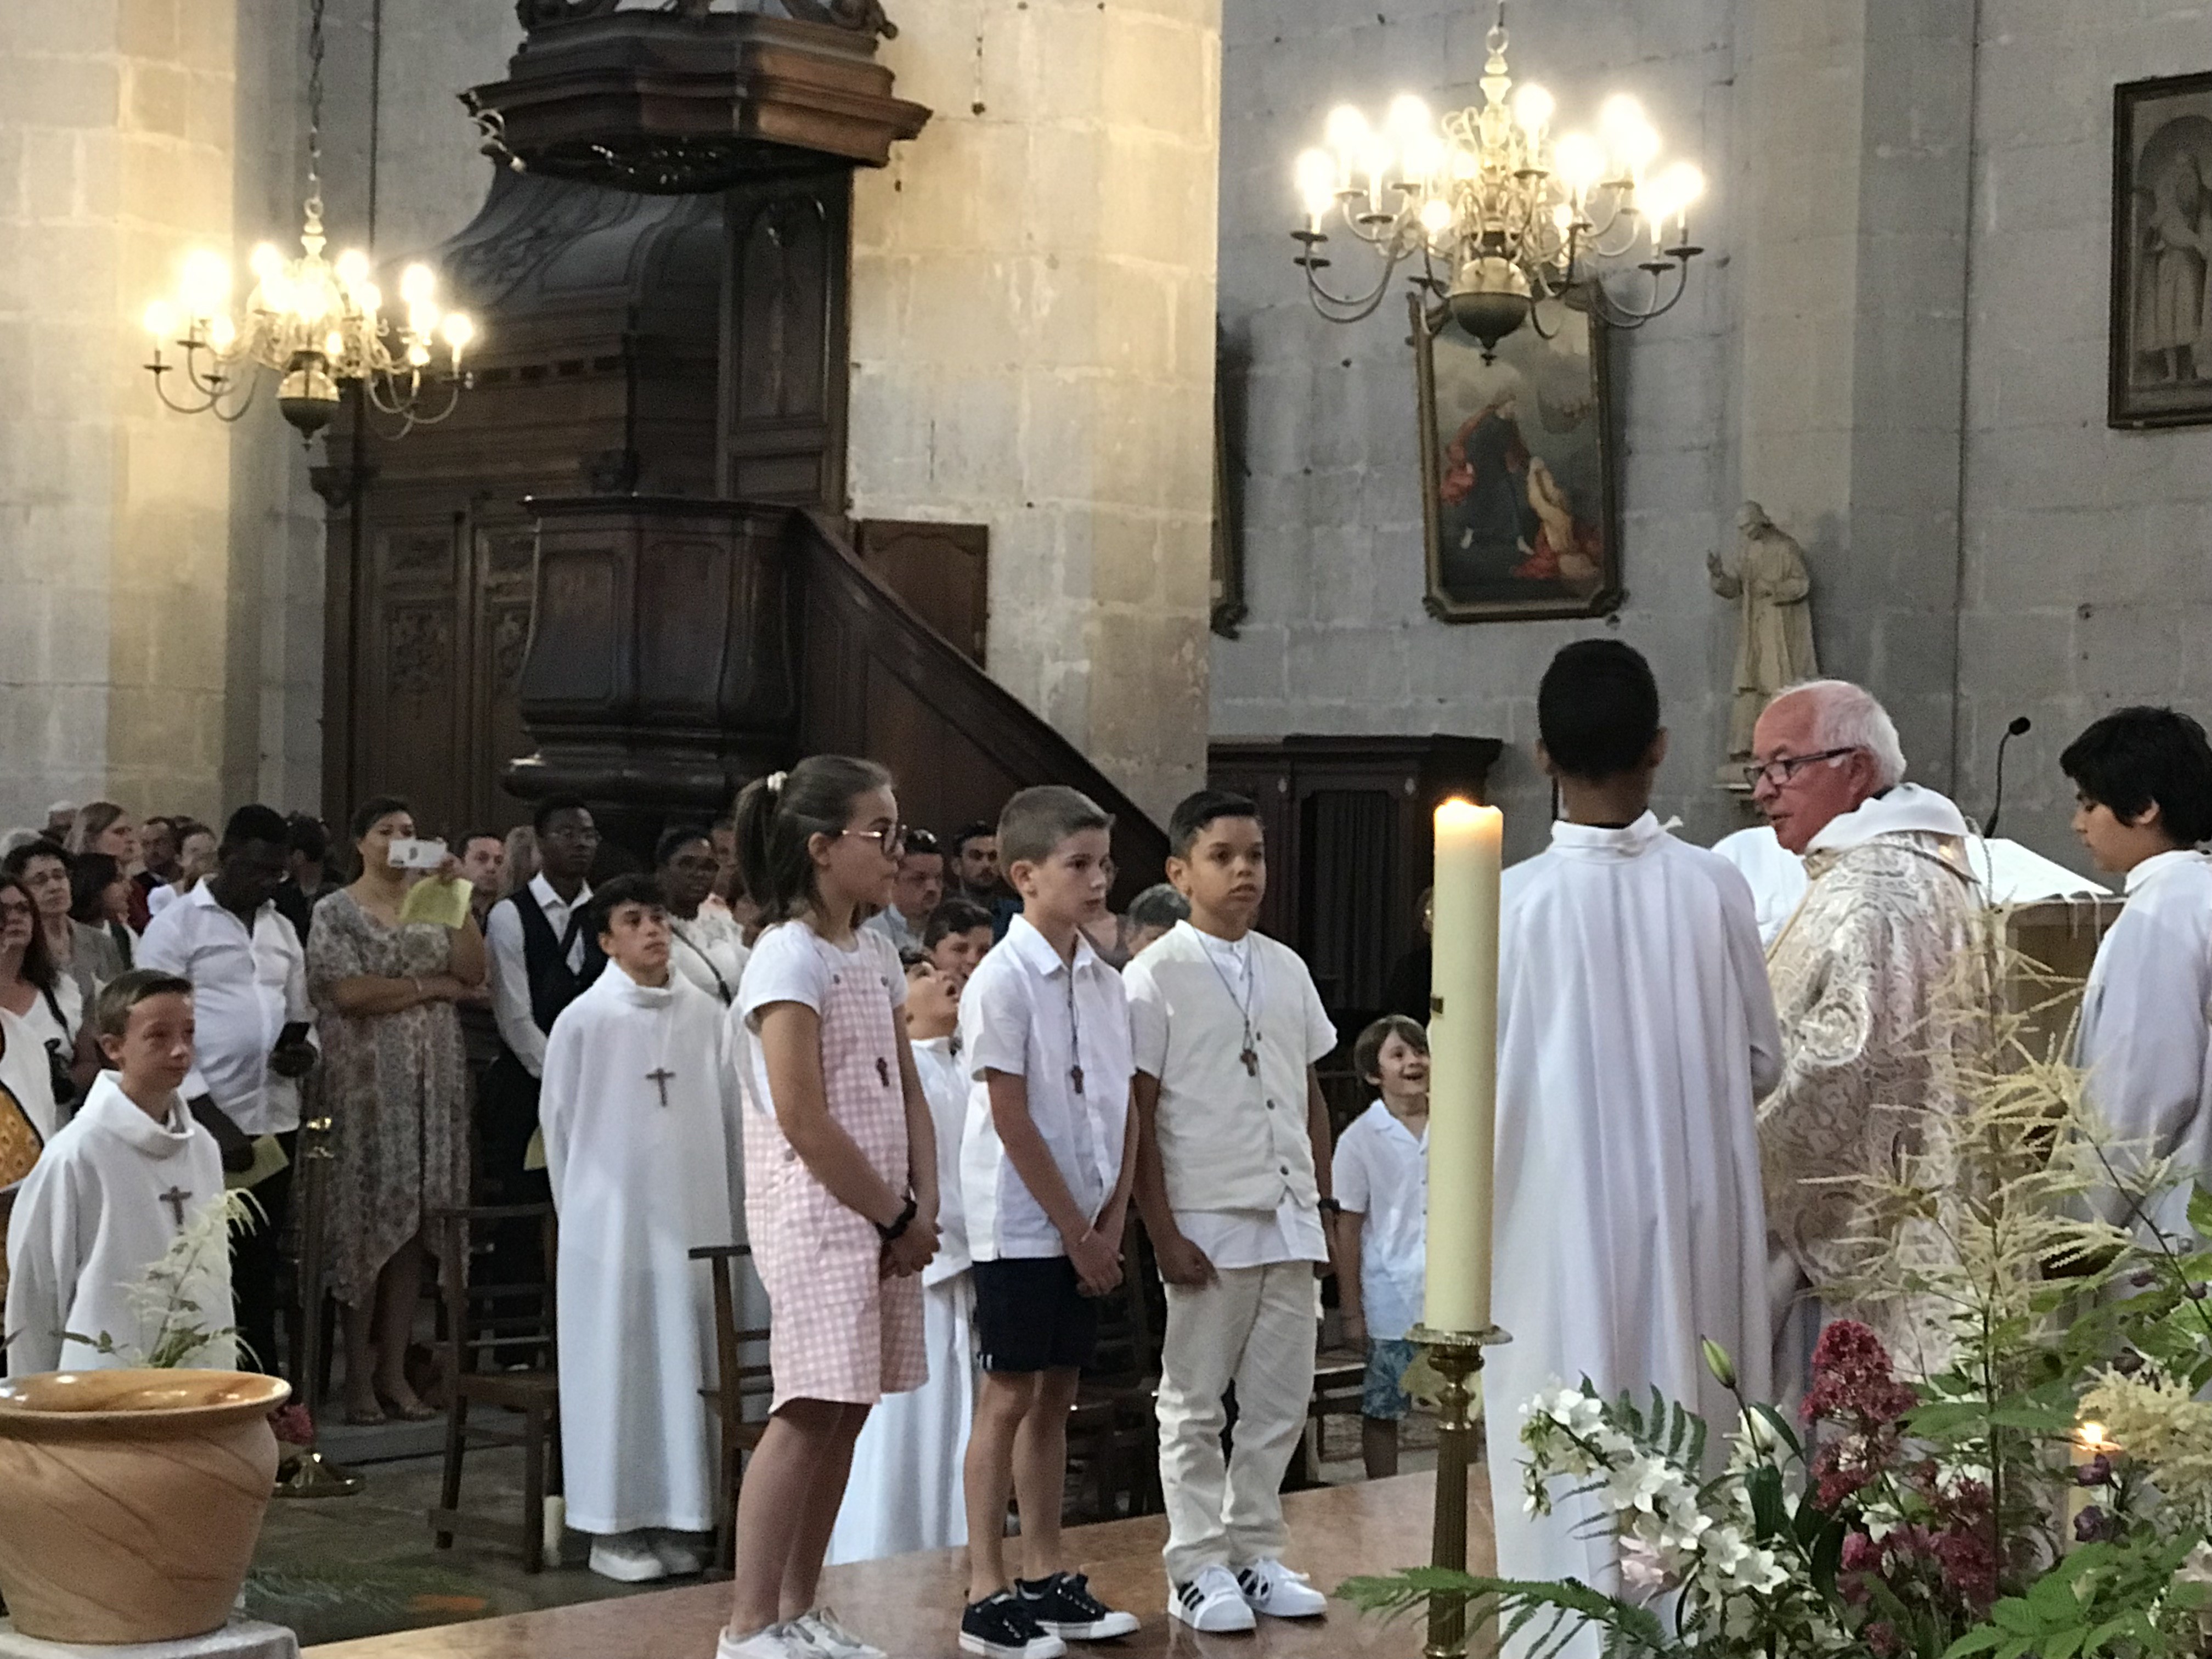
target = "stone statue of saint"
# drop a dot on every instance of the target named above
(1774, 645)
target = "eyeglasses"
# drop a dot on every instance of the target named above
(892, 841)
(1780, 771)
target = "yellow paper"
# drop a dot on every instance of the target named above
(1462, 1066)
(446, 902)
(268, 1158)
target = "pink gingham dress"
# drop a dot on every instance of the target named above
(837, 1328)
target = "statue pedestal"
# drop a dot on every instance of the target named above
(241, 1638)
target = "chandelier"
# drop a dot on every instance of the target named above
(1501, 216)
(318, 325)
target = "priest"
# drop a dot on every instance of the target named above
(637, 1109)
(1634, 1030)
(1861, 972)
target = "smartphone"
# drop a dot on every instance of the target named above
(409, 854)
(293, 1034)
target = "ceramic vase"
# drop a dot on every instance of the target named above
(130, 1500)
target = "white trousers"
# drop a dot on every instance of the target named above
(1253, 1327)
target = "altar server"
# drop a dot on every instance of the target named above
(1635, 1029)
(904, 1492)
(128, 1179)
(638, 1108)
(2143, 781)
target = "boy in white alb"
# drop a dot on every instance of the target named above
(903, 1493)
(1383, 1225)
(1232, 1179)
(1044, 1183)
(110, 1195)
(2143, 781)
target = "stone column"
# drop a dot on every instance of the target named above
(116, 145)
(1857, 129)
(1033, 321)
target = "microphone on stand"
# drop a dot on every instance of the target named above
(2019, 727)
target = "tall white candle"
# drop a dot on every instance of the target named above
(1462, 1066)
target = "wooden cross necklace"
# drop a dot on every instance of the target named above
(660, 1076)
(174, 1197)
(1249, 1058)
(1074, 1035)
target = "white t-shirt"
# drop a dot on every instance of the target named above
(1025, 1012)
(25, 1068)
(944, 1084)
(1383, 1177)
(791, 963)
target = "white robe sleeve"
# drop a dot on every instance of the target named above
(44, 1264)
(2143, 1042)
(1747, 957)
(556, 1099)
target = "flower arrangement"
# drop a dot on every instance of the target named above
(167, 1298)
(2033, 1482)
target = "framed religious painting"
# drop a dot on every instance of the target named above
(1519, 497)
(2160, 372)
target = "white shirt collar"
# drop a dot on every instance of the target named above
(2158, 864)
(202, 895)
(1631, 841)
(114, 1112)
(1906, 809)
(542, 890)
(1036, 953)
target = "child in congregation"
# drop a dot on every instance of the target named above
(904, 1492)
(1046, 1164)
(840, 1180)
(1381, 1225)
(956, 937)
(2143, 781)
(1233, 1179)
(126, 1181)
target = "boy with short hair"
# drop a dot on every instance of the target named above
(958, 935)
(1233, 1180)
(111, 1195)
(1381, 1227)
(638, 1107)
(2143, 781)
(1045, 1172)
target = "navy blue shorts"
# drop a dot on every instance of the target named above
(1031, 1315)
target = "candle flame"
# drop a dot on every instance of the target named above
(1459, 813)
(2091, 1435)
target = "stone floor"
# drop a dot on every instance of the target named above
(340, 1568)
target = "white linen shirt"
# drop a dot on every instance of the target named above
(510, 968)
(1026, 1013)
(1382, 1177)
(246, 987)
(892, 926)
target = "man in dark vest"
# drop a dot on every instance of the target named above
(543, 955)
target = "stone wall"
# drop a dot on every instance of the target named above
(1033, 308)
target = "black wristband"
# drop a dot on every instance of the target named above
(1330, 1206)
(897, 1229)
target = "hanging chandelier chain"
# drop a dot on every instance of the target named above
(315, 109)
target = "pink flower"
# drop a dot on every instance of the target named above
(1861, 1553)
(1853, 1380)
(293, 1424)
(1640, 1566)
(1881, 1636)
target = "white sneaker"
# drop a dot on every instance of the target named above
(769, 1643)
(628, 1557)
(1271, 1587)
(820, 1632)
(1212, 1603)
(678, 1553)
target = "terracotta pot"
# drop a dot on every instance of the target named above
(130, 1500)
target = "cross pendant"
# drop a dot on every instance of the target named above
(1251, 1061)
(1075, 1076)
(659, 1080)
(174, 1197)
(883, 1070)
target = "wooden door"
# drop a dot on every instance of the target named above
(941, 570)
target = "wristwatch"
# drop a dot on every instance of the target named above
(892, 1233)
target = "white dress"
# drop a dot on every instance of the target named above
(641, 1178)
(905, 1491)
(1634, 1026)
(107, 1200)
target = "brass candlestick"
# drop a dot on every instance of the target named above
(1456, 1356)
(311, 1475)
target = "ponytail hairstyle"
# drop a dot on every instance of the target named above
(779, 815)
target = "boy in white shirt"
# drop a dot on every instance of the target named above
(114, 1192)
(2143, 781)
(1232, 1179)
(1045, 1169)
(904, 1492)
(1381, 1226)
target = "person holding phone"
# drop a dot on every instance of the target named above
(397, 1089)
(249, 979)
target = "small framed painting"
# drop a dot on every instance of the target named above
(2160, 370)
(1517, 469)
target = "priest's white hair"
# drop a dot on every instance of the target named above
(1846, 716)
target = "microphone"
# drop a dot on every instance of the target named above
(2019, 727)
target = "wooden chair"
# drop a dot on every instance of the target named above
(1339, 1379)
(736, 1382)
(1113, 1428)
(490, 1328)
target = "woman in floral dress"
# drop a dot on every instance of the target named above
(395, 1083)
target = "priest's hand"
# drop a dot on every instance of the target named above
(1183, 1262)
